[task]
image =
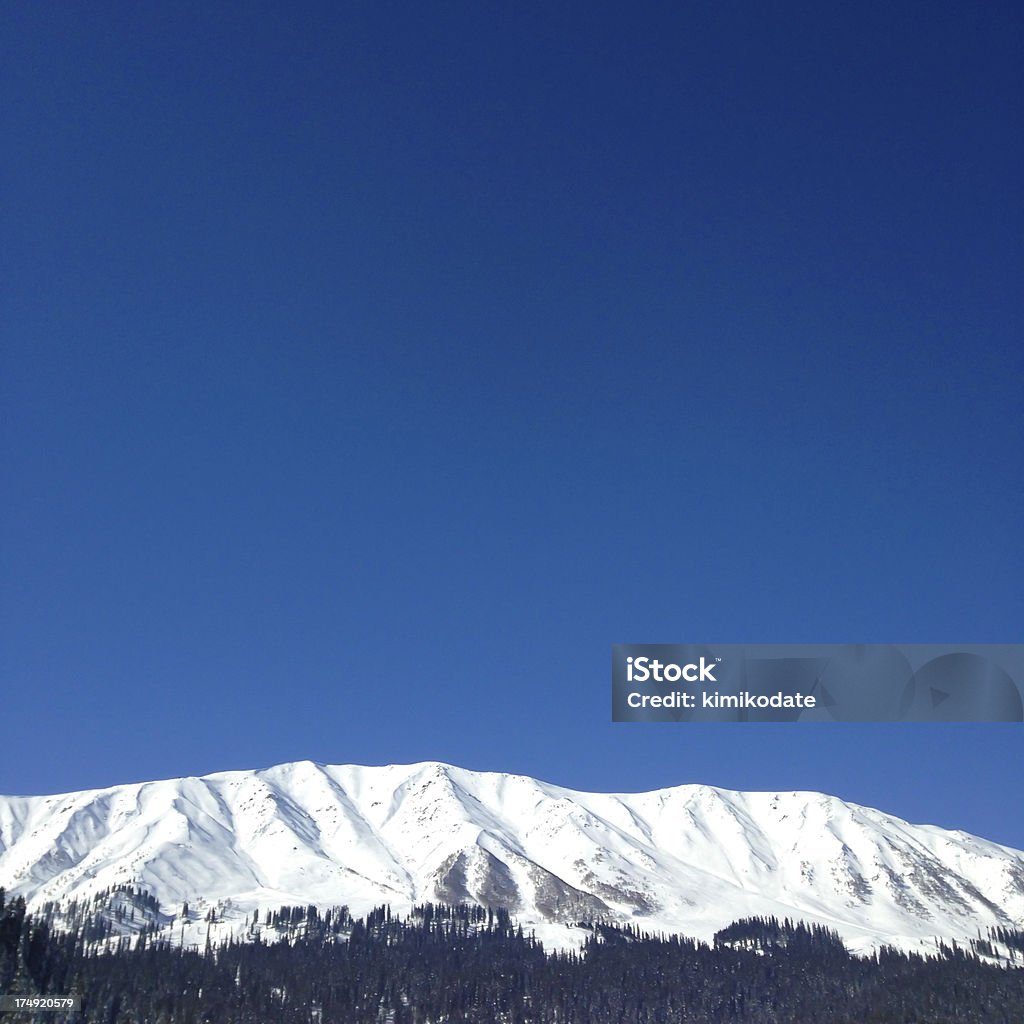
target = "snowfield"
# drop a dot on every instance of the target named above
(690, 859)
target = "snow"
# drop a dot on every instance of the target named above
(689, 859)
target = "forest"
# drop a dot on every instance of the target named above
(459, 964)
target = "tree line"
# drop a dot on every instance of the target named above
(460, 964)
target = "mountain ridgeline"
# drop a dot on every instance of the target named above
(193, 860)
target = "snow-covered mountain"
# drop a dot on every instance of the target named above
(689, 859)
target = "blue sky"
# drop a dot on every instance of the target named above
(368, 371)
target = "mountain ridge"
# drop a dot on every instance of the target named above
(687, 859)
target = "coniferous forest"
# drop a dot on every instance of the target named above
(469, 964)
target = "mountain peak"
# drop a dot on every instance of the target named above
(687, 859)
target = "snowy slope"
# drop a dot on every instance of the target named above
(689, 859)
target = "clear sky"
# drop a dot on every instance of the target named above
(369, 369)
